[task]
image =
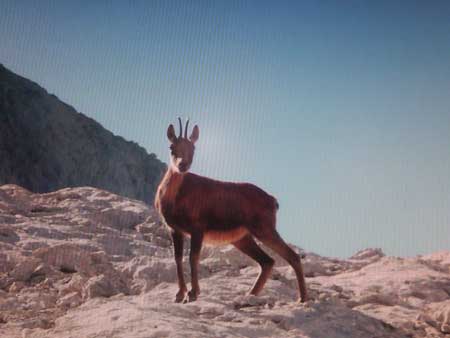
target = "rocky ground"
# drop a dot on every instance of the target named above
(83, 262)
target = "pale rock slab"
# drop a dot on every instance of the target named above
(83, 262)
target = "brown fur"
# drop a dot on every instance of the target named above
(190, 202)
(218, 212)
(214, 237)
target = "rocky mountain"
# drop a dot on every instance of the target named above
(83, 262)
(46, 145)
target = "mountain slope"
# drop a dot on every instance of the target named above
(46, 145)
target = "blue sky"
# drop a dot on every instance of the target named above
(339, 109)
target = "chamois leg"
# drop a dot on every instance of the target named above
(194, 257)
(178, 239)
(274, 241)
(248, 246)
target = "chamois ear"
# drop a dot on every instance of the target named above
(194, 135)
(171, 134)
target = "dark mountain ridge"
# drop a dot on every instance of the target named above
(45, 145)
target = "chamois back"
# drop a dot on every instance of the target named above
(223, 206)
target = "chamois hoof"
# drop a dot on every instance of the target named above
(191, 297)
(180, 296)
(303, 300)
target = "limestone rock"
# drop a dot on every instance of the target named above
(84, 262)
(64, 147)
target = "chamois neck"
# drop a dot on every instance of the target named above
(172, 177)
(171, 171)
(168, 188)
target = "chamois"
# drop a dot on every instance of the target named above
(218, 213)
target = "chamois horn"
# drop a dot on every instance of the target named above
(186, 128)
(181, 128)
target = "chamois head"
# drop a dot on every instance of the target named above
(182, 148)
